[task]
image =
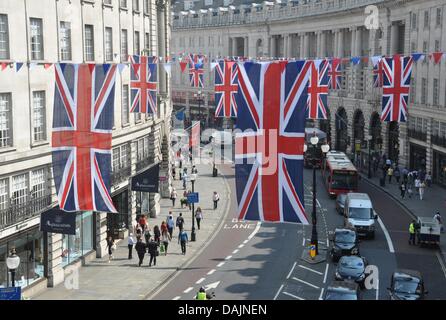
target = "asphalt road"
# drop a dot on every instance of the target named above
(247, 260)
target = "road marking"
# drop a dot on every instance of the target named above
(321, 242)
(235, 251)
(441, 264)
(188, 290)
(211, 272)
(241, 246)
(245, 242)
(293, 296)
(322, 293)
(200, 281)
(309, 269)
(220, 264)
(318, 203)
(177, 298)
(291, 271)
(307, 283)
(386, 233)
(303, 242)
(278, 292)
(326, 273)
(228, 257)
(328, 242)
(255, 231)
(377, 289)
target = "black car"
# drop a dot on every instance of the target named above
(406, 285)
(351, 268)
(345, 243)
(340, 203)
(342, 290)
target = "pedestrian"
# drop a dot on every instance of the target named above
(147, 235)
(198, 216)
(412, 232)
(174, 172)
(183, 239)
(194, 169)
(180, 222)
(143, 223)
(153, 251)
(131, 242)
(388, 163)
(157, 234)
(163, 227)
(437, 218)
(184, 179)
(215, 198)
(417, 184)
(111, 246)
(140, 248)
(170, 224)
(397, 174)
(181, 162)
(410, 179)
(421, 189)
(409, 191)
(403, 190)
(390, 174)
(429, 179)
(190, 157)
(173, 196)
(165, 238)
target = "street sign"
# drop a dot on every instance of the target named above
(13, 293)
(192, 197)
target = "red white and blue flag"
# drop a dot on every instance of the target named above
(378, 74)
(318, 90)
(226, 86)
(82, 136)
(194, 140)
(196, 74)
(397, 72)
(335, 74)
(269, 151)
(143, 84)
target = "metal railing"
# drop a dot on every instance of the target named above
(31, 206)
(144, 163)
(422, 136)
(439, 141)
(121, 174)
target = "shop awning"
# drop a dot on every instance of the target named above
(147, 180)
(58, 221)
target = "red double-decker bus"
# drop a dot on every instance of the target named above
(339, 174)
(314, 154)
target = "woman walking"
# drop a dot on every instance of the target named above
(140, 248)
(173, 196)
(111, 248)
(198, 216)
(421, 189)
(165, 238)
(157, 234)
(403, 190)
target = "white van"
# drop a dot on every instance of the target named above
(359, 213)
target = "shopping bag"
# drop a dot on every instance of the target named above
(162, 248)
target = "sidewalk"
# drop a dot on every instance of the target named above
(434, 200)
(122, 279)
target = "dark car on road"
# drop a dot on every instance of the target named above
(351, 268)
(342, 290)
(406, 285)
(344, 243)
(340, 203)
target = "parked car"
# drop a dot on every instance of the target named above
(342, 290)
(407, 285)
(344, 243)
(351, 268)
(340, 203)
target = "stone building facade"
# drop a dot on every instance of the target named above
(83, 31)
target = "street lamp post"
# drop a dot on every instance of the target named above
(369, 175)
(199, 96)
(193, 177)
(13, 262)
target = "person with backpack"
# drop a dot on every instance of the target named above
(183, 239)
(180, 222)
(198, 216)
(153, 251)
(131, 243)
(140, 248)
(170, 224)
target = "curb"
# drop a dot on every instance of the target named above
(185, 264)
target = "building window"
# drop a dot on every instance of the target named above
(108, 44)
(435, 128)
(413, 47)
(124, 45)
(123, 3)
(136, 5)
(425, 47)
(435, 93)
(5, 120)
(4, 193)
(4, 37)
(426, 19)
(36, 39)
(65, 41)
(437, 45)
(125, 104)
(412, 90)
(423, 90)
(108, 2)
(39, 126)
(121, 157)
(414, 21)
(89, 43)
(438, 17)
(19, 189)
(137, 48)
(146, 6)
(147, 41)
(38, 185)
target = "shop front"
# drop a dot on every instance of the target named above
(439, 165)
(417, 158)
(118, 222)
(145, 184)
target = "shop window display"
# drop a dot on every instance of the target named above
(75, 246)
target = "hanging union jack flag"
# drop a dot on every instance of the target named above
(82, 136)
(269, 150)
(318, 90)
(226, 86)
(335, 74)
(397, 72)
(378, 74)
(196, 74)
(143, 84)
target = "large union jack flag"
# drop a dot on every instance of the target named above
(226, 86)
(196, 74)
(318, 90)
(269, 151)
(378, 74)
(82, 136)
(143, 84)
(335, 74)
(397, 72)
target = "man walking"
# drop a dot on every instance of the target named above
(183, 239)
(390, 174)
(153, 251)
(403, 189)
(170, 224)
(421, 189)
(131, 242)
(140, 248)
(180, 222)
(173, 196)
(412, 232)
(215, 198)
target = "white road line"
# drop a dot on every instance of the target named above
(278, 292)
(322, 294)
(293, 296)
(220, 264)
(245, 242)
(326, 273)
(241, 246)
(211, 272)
(188, 290)
(255, 231)
(318, 203)
(228, 257)
(303, 242)
(377, 289)
(441, 264)
(200, 281)
(177, 298)
(235, 251)
(307, 283)
(386, 233)
(306, 268)
(291, 271)
(328, 243)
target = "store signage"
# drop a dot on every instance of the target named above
(192, 197)
(164, 178)
(13, 293)
(147, 180)
(58, 221)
